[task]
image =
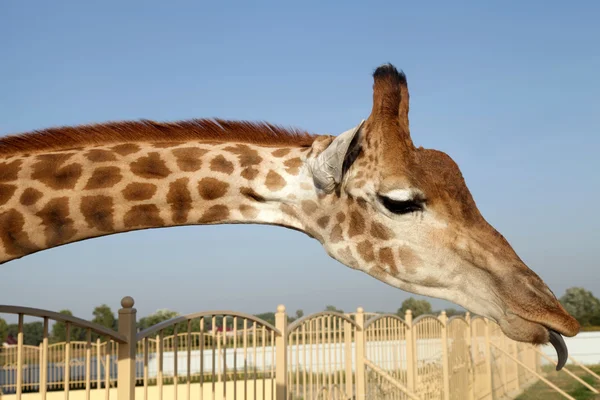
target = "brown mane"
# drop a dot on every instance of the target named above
(150, 131)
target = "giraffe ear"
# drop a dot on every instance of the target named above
(329, 166)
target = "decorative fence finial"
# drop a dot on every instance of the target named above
(127, 302)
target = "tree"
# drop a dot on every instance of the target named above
(160, 316)
(331, 308)
(59, 330)
(451, 312)
(267, 317)
(299, 314)
(3, 331)
(33, 333)
(418, 307)
(104, 316)
(582, 305)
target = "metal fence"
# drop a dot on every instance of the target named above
(225, 355)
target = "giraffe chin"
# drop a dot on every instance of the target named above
(520, 329)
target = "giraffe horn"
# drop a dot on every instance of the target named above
(391, 100)
(403, 109)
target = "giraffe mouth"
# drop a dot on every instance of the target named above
(536, 332)
(557, 341)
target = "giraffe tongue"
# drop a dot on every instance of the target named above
(559, 345)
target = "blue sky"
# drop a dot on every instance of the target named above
(509, 90)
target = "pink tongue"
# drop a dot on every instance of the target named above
(561, 348)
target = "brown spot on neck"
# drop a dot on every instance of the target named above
(356, 225)
(189, 159)
(6, 193)
(98, 212)
(248, 158)
(138, 191)
(365, 250)
(104, 177)
(9, 171)
(336, 234)
(323, 222)
(292, 166)
(281, 152)
(50, 170)
(59, 226)
(150, 167)
(309, 207)
(214, 214)
(348, 258)
(220, 164)
(99, 155)
(386, 257)
(248, 211)
(13, 236)
(126, 149)
(211, 188)
(180, 200)
(143, 216)
(274, 181)
(30, 196)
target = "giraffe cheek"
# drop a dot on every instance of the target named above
(408, 260)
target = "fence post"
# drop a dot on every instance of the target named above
(444, 320)
(360, 354)
(281, 353)
(470, 356)
(504, 365)
(516, 369)
(98, 364)
(44, 361)
(488, 357)
(348, 357)
(411, 358)
(19, 382)
(126, 365)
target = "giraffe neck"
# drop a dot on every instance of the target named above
(59, 197)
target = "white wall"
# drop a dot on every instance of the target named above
(585, 348)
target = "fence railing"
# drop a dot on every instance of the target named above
(225, 354)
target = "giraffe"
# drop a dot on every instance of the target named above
(376, 203)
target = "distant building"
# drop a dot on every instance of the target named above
(10, 341)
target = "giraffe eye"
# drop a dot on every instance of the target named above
(401, 206)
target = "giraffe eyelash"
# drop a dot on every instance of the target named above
(401, 206)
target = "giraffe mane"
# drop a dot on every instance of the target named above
(209, 130)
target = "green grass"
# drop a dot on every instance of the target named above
(561, 379)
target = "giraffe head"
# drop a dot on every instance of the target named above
(405, 215)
